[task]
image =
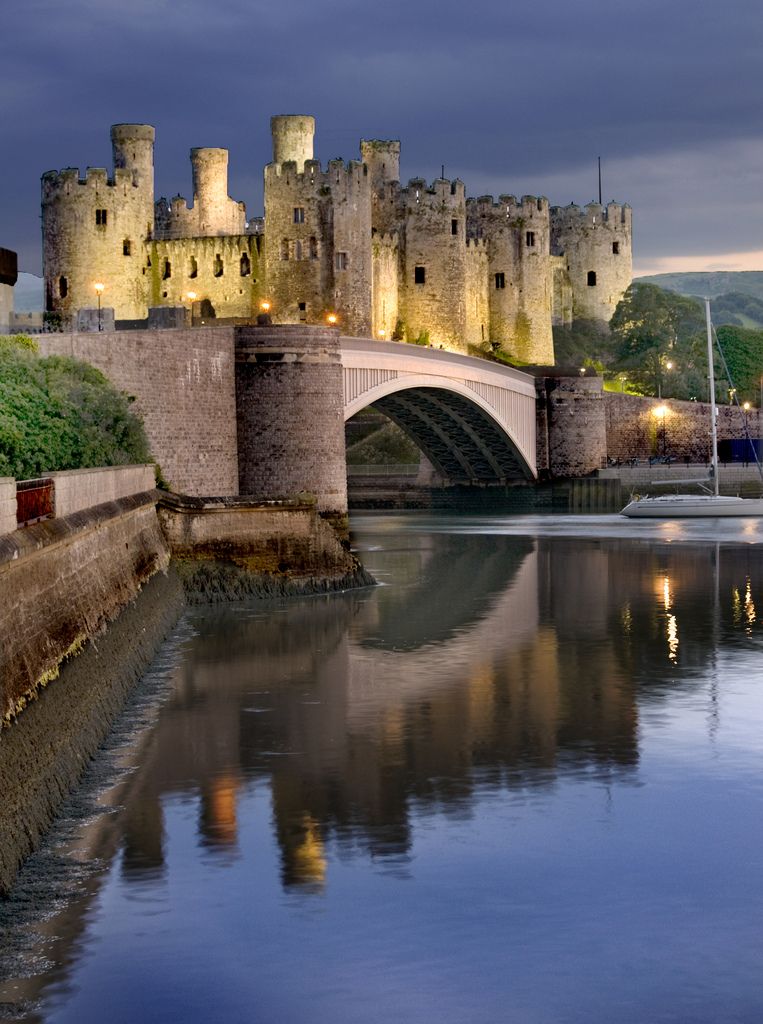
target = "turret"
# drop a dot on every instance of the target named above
(132, 146)
(382, 156)
(292, 138)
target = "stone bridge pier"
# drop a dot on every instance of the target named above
(289, 415)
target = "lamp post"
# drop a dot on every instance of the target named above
(191, 296)
(660, 412)
(99, 291)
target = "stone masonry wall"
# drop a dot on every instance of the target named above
(640, 427)
(63, 580)
(7, 504)
(76, 489)
(571, 426)
(289, 402)
(183, 385)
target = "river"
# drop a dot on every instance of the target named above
(521, 780)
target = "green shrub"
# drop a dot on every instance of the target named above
(59, 413)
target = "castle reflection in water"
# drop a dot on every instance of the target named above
(492, 661)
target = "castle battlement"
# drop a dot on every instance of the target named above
(507, 207)
(613, 215)
(313, 179)
(65, 180)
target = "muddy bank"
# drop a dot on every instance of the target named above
(44, 752)
(214, 582)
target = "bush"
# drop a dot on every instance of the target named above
(59, 413)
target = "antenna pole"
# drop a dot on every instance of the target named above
(711, 376)
(599, 181)
(443, 172)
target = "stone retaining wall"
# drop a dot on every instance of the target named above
(76, 489)
(63, 580)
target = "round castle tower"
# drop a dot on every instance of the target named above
(293, 136)
(596, 242)
(94, 229)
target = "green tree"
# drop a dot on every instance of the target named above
(652, 328)
(58, 413)
(743, 351)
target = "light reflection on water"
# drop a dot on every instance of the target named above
(520, 782)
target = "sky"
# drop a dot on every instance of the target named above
(516, 97)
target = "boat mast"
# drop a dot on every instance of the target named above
(711, 375)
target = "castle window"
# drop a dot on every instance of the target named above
(100, 217)
(285, 249)
(193, 267)
(302, 307)
(615, 248)
(500, 280)
(341, 261)
(591, 278)
(127, 247)
(246, 265)
(454, 227)
(167, 272)
(63, 287)
(299, 215)
(530, 239)
(313, 248)
(297, 250)
(419, 275)
(217, 266)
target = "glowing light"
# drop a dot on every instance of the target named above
(666, 592)
(660, 411)
(669, 365)
(191, 296)
(332, 318)
(672, 639)
(99, 287)
(746, 406)
(264, 306)
(749, 605)
(382, 333)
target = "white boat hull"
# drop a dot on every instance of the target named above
(680, 506)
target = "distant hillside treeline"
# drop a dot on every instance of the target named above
(737, 296)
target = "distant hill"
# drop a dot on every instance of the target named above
(717, 282)
(737, 295)
(28, 294)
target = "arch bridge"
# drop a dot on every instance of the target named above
(473, 419)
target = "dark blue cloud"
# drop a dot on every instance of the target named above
(514, 97)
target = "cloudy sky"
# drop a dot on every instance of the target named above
(517, 97)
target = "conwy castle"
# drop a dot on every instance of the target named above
(387, 260)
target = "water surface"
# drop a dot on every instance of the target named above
(520, 781)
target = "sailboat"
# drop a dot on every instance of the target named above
(710, 503)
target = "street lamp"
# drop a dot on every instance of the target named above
(660, 412)
(99, 291)
(191, 296)
(332, 318)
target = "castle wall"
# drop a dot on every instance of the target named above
(597, 245)
(183, 385)
(476, 298)
(223, 271)
(385, 272)
(435, 242)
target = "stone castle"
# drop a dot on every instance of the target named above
(387, 260)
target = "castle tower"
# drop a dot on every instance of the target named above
(519, 273)
(217, 213)
(596, 243)
(317, 246)
(382, 157)
(95, 229)
(433, 292)
(292, 138)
